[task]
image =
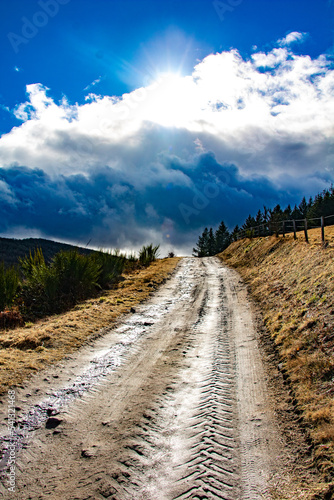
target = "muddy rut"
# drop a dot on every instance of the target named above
(170, 404)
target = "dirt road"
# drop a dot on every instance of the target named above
(170, 404)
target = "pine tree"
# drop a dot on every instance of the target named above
(295, 214)
(303, 207)
(287, 213)
(211, 243)
(249, 223)
(222, 237)
(201, 249)
(235, 233)
(276, 215)
(265, 214)
(259, 219)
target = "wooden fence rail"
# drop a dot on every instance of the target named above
(288, 226)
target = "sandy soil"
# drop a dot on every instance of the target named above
(171, 403)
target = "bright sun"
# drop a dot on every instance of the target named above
(167, 103)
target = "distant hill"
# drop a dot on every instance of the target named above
(12, 249)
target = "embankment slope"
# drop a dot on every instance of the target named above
(293, 284)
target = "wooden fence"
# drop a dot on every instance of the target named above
(288, 226)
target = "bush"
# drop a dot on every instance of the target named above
(131, 262)
(10, 319)
(111, 266)
(148, 254)
(76, 277)
(39, 286)
(69, 278)
(9, 282)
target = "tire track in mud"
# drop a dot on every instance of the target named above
(200, 459)
(211, 470)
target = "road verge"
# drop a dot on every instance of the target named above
(292, 282)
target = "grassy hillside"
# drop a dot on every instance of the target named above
(293, 283)
(12, 249)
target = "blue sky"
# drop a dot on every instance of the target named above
(127, 122)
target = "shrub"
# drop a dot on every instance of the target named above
(131, 262)
(76, 277)
(111, 266)
(9, 282)
(10, 319)
(148, 254)
(69, 278)
(39, 285)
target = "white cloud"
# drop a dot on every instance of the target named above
(95, 82)
(5, 108)
(293, 37)
(227, 101)
(270, 116)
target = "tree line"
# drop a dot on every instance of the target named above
(212, 242)
(12, 250)
(314, 208)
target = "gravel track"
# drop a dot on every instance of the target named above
(170, 404)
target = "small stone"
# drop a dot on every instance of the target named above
(52, 423)
(86, 454)
(106, 490)
(89, 452)
(51, 411)
(132, 310)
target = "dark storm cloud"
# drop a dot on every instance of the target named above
(113, 212)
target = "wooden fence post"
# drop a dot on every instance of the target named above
(323, 229)
(294, 229)
(305, 230)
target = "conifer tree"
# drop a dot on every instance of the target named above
(222, 237)
(235, 233)
(303, 207)
(211, 243)
(201, 249)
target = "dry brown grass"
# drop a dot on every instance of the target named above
(25, 350)
(293, 283)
